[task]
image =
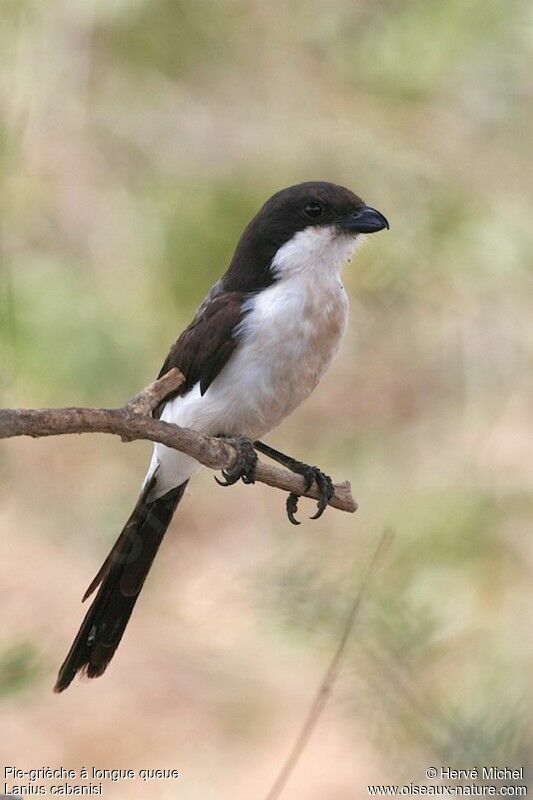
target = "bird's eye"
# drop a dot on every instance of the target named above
(313, 210)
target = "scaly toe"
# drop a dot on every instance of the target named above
(245, 465)
(292, 507)
(326, 491)
(229, 478)
(325, 488)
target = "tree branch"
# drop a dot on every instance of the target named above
(134, 421)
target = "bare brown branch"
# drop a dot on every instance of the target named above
(134, 421)
(149, 398)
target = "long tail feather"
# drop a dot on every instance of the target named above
(120, 580)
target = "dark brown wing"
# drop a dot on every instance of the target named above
(205, 347)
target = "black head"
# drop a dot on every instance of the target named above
(314, 203)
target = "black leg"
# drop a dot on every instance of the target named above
(310, 474)
(245, 465)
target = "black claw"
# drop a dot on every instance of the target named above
(292, 507)
(323, 482)
(245, 466)
(326, 490)
(227, 481)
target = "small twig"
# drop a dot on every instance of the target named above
(134, 421)
(149, 398)
(330, 676)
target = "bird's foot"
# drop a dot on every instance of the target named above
(325, 488)
(245, 466)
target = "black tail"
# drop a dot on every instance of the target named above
(121, 579)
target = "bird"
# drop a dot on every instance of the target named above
(256, 348)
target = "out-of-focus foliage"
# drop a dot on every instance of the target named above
(136, 140)
(18, 668)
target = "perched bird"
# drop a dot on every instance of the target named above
(256, 348)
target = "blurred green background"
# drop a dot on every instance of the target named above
(137, 139)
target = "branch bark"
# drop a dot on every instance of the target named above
(135, 421)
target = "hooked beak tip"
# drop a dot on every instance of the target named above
(365, 220)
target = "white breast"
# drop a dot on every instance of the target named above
(289, 335)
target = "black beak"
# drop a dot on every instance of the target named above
(364, 220)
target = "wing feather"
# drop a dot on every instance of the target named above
(205, 347)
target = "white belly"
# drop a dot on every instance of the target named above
(288, 337)
(288, 340)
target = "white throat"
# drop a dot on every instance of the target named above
(315, 250)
